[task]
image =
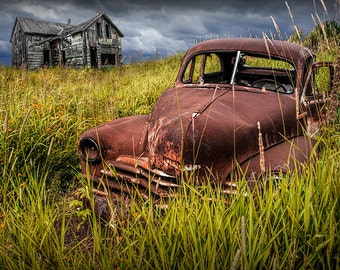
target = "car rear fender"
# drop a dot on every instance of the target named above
(281, 157)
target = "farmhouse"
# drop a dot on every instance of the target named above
(94, 43)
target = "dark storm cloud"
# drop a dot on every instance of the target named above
(171, 26)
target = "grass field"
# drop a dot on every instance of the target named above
(44, 226)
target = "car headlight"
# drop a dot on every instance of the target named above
(89, 149)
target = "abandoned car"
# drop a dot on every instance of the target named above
(238, 105)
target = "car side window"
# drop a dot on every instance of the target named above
(193, 70)
(203, 68)
(212, 64)
(188, 73)
(319, 82)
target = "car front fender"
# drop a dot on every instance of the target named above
(125, 136)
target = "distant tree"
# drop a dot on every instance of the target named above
(327, 32)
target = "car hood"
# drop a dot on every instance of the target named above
(191, 127)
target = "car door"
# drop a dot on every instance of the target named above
(317, 96)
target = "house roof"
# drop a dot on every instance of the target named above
(40, 27)
(83, 26)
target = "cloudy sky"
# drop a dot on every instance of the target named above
(169, 26)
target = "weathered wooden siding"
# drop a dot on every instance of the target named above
(108, 45)
(74, 51)
(103, 45)
(19, 47)
(35, 52)
(78, 54)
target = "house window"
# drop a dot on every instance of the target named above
(99, 29)
(108, 59)
(108, 31)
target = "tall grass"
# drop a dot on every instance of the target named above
(43, 225)
(42, 115)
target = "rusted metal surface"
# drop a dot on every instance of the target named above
(204, 128)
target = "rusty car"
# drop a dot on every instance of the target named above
(249, 105)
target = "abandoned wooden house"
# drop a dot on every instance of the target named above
(94, 43)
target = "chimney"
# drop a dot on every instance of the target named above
(69, 21)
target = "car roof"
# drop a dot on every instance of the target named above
(292, 52)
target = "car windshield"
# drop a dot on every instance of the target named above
(240, 68)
